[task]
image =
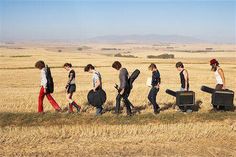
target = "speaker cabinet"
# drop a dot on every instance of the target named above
(183, 98)
(223, 98)
(220, 98)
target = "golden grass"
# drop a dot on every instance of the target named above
(169, 134)
(121, 140)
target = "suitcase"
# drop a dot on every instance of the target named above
(220, 98)
(97, 98)
(223, 98)
(184, 99)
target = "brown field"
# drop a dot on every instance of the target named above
(25, 133)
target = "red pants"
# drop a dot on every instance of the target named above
(50, 99)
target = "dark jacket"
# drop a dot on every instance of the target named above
(123, 78)
(155, 78)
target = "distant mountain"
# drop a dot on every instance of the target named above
(150, 38)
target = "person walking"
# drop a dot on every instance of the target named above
(71, 88)
(155, 86)
(123, 89)
(44, 90)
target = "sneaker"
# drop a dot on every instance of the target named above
(65, 109)
(58, 110)
(157, 111)
(78, 109)
(99, 111)
(129, 114)
(115, 113)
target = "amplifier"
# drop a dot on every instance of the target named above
(223, 98)
(220, 97)
(183, 98)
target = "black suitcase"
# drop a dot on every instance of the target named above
(220, 98)
(184, 99)
(97, 98)
(223, 98)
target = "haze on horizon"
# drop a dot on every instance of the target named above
(41, 20)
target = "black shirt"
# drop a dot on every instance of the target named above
(156, 78)
(182, 80)
(71, 77)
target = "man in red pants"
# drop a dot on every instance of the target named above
(43, 91)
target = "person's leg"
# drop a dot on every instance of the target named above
(128, 91)
(68, 98)
(98, 98)
(127, 103)
(152, 98)
(40, 99)
(98, 102)
(99, 110)
(219, 87)
(128, 109)
(156, 106)
(117, 108)
(76, 106)
(182, 89)
(72, 102)
(53, 102)
(130, 104)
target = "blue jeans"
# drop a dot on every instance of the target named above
(152, 98)
(182, 89)
(99, 111)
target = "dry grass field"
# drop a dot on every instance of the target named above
(25, 133)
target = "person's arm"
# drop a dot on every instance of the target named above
(69, 80)
(221, 72)
(186, 79)
(156, 79)
(122, 82)
(44, 80)
(97, 84)
(153, 80)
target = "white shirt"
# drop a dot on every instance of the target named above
(96, 76)
(43, 78)
(218, 77)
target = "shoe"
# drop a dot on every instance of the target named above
(76, 106)
(78, 109)
(65, 109)
(99, 111)
(59, 110)
(130, 114)
(157, 111)
(115, 113)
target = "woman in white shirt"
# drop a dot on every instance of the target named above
(219, 74)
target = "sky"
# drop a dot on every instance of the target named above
(68, 20)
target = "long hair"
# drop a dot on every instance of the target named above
(152, 66)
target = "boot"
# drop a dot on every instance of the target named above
(70, 108)
(76, 106)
